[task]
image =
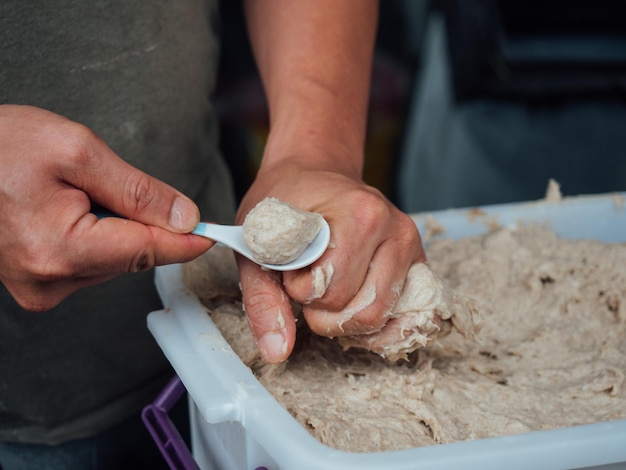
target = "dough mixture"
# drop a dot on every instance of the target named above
(551, 352)
(277, 233)
(426, 311)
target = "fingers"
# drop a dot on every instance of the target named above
(364, 222)
(50, 244)
(370, 308)
(343, 296)
(116, 185)
(114, 245)
(41, 148)
(269, 311)
(94, 251)
(78, 244)
(327, 283)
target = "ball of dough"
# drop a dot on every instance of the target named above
(277, 233)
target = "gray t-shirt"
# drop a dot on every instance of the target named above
(140, 74)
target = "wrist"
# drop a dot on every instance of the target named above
(312, 153)
(317, 137)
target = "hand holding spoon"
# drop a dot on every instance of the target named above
(232, 235)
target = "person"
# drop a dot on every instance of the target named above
(108, 104)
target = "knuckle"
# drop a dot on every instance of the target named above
(348, 321)
(408, 234)
(334, 300)
(258, 301)
(333, 295)
(373, 213)
(143, 261)
(366, 321)
(140, 192)
(305, 288)
(78, 144)
(261, 311)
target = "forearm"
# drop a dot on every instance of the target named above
(315, 61)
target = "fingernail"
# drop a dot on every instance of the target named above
(273, 347)
(184, 215)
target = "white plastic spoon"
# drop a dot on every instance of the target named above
(232, 236)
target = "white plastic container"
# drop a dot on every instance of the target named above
(237, 424)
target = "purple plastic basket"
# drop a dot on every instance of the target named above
(164, 432)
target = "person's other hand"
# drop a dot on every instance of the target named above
(355, 284)
(51, 245)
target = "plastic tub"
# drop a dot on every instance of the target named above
(237, 424)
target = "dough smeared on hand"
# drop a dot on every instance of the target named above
(426, 310)
(278, 233)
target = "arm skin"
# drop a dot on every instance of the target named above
(315, 61)
(50, 243)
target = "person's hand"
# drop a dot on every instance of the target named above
(51, 245)
(315, 60)
(355, 284)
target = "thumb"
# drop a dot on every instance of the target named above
(269, 311)
(118, 186)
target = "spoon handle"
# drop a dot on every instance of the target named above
(230, 235)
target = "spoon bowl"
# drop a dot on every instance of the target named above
(232, 236)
